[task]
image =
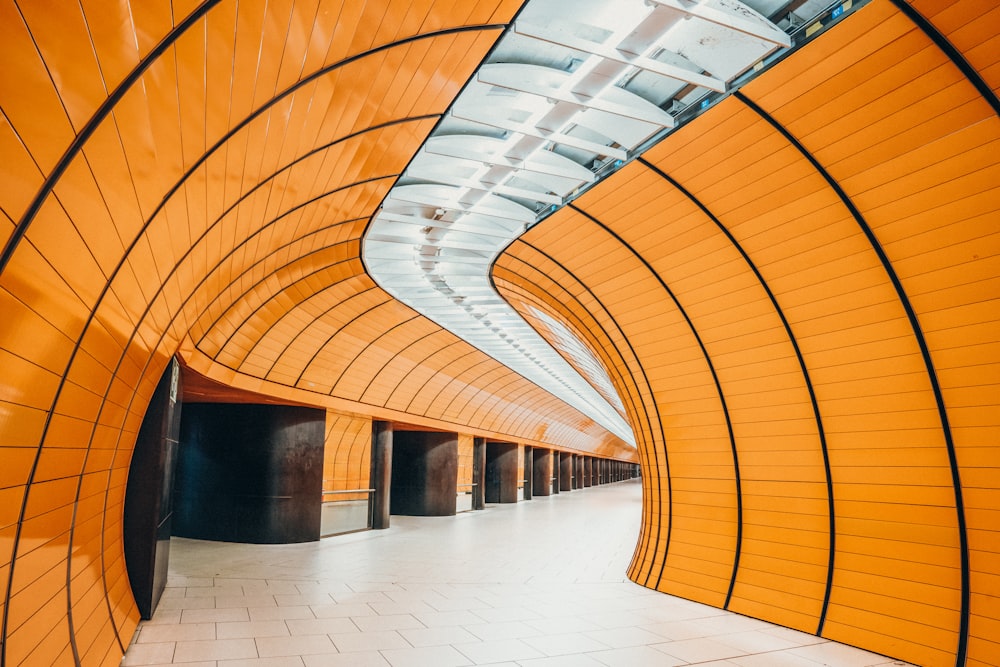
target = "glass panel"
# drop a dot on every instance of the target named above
(463, 500)
(344, 516)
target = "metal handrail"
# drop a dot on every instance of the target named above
(330, 493)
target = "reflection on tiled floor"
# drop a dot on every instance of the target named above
(539, 583)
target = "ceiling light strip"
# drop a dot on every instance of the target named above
(560, 99)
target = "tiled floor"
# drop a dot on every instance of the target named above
(539, 584)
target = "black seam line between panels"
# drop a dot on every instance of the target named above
(233, 251)
(265, 299)
(287, 167)
(316, 319)
(438, 371)
(382, 334)
(492, 366)
(357, 317)
(653, 448)
(802, 365)
(622, 375)
(951, 51)
(395, 355)
(420, 363)
(8, 252)
(722, 400)
(283, 215)
(510, 384)
(339, 247)
(510, 374)
(474, 373)
(963, 633)
(88, 130)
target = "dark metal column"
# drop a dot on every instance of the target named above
(541, 471)
(149, 493)
(565, 471)
(478, 473)
(381, 479)
(529, 460)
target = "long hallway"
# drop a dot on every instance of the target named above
(539, 583)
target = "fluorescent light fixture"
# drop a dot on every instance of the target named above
(565, 98)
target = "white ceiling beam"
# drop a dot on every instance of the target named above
(761, 29)
(518, 78)
(487, 116)
(611, 53)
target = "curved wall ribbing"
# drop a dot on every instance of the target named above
(199, 184)
(830, 232)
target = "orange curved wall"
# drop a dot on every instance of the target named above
(194, 179)
(798, 291)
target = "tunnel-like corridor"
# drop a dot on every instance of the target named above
(789, 292)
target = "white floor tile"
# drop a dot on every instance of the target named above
(269, 647)
(431, 656)
(625, 637)
(392, 622)
(217, 649)
(369, 641)
(447, 618)
(565, 644)
(562, 661)
(149, 654)
(279, 613)
(360, 659)
(173, 633)
(232, 615)
(701, 649)
(251, 629)
(508, 630)
(288, 661)
(341, 610)
(832, 653)
(439, 636)
(635, 656)
(320, 626)
(499, 650)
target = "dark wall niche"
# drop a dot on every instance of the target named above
(424, 473)
(249, 473)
